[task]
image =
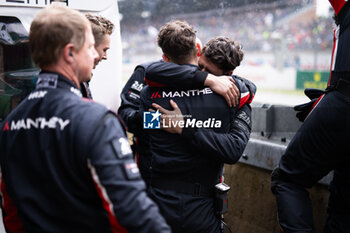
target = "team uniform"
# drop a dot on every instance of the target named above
(130, 104)
(185, 168)
(158, 74)
(129, 112)
(67, 167)
(320, 146)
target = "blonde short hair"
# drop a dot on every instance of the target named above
(52, 29)
(100, 27)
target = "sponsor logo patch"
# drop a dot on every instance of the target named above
(137, 86)
(172, 94)
(47, 81)
(37, 95)
(37, 123)
(131, 169)
(244, 117)
(121, 147)
(76, 91)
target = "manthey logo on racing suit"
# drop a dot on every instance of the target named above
(37, 123)
(153, 120)
(172, 94)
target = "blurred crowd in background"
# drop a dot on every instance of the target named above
(268, 27)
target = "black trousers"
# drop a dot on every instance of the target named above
(322, 144)
(186, 213)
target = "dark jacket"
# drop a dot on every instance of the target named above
(67, 166)
(340, 65)
(184, 156)
(129, 112)
(185, 168)
(162, 74)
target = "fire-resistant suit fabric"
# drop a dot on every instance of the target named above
(186, 167)
(67, 167)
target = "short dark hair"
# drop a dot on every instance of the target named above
(224, 52)
(177, 39)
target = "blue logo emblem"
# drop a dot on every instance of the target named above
(151, 120)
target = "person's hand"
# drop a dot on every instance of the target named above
(224, 86)
(303, 110)
(171, 118)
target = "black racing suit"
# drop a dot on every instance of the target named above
(67, 167)
(186, 167)
(129, 111)
(320, 146)
(160, 74)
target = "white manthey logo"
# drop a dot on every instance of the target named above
(39, 123)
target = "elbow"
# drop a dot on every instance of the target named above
(234, 159)
(237, 153)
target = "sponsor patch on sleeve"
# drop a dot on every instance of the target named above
(242, 126)
(131, 169)
(122, 147)
(133, 95)
(244, 117)
(137, 86)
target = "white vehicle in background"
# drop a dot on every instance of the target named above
(17, 71)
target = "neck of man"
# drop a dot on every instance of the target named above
(192, 61)
(64, 70)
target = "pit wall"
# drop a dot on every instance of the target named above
(252, 206)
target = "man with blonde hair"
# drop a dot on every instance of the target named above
(57, 174)
(102, 29)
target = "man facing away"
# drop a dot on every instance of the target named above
(184, 173)
(130, 96)
(66, 165)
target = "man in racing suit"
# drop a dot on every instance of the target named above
(66, 165)
(102, 29)
(186, 167)
(320, 146)
(130, 96)
(171, 75)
